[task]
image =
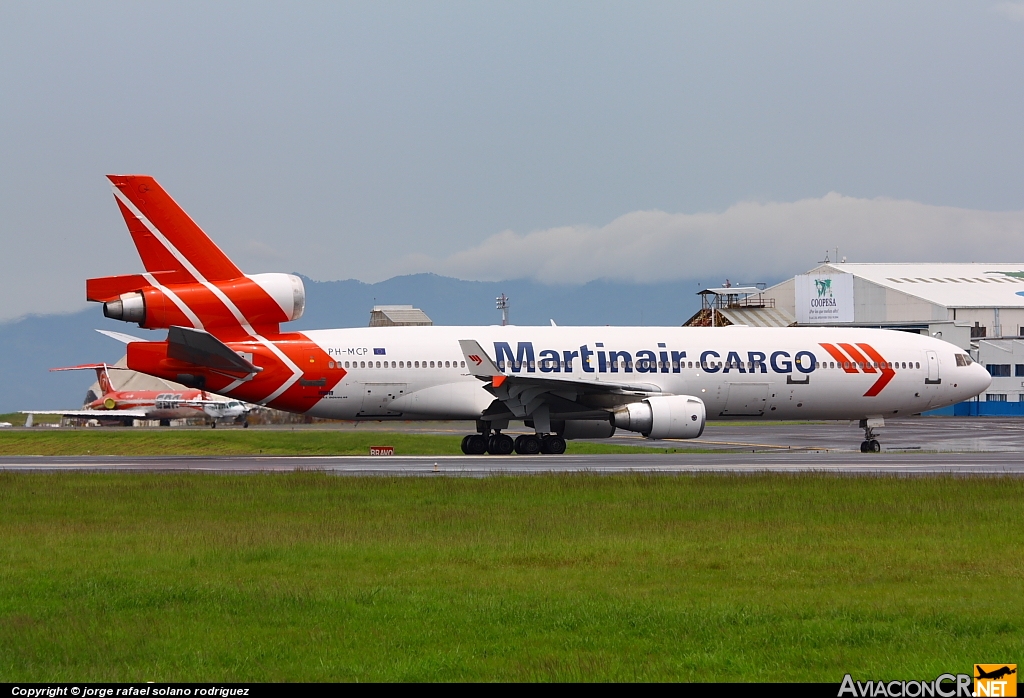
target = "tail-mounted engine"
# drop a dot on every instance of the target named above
(259, 300)
(663, 417)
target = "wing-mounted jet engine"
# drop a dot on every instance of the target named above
(663, 417)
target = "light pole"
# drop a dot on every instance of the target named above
(502, 305)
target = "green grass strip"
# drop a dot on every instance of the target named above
(309, 577)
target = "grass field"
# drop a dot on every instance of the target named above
(18, 419)
(231, 442)
(312, 577)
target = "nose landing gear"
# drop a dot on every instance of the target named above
(870, 443)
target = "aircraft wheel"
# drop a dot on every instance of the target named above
(864, 446)
(874, 446)
(213, 425)
(476, 444)
(553, 443)
(165, 422)
(245, 424)
(500, 445)
(529, 444)
(465, 443)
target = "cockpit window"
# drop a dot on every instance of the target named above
(963, 360)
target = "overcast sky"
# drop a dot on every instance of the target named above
(560, 141)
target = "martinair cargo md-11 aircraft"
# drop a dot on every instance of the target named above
(224, 336)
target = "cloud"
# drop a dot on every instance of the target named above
(1010, 10)
(750, 240)
(261, 250)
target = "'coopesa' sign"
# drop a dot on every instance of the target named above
(824, 299)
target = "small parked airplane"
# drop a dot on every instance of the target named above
(125, 406)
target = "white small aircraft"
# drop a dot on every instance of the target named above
(224, 336)
(125, 406)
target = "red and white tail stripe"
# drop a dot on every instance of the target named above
(190, 282)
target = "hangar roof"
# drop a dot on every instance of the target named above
(951, 285)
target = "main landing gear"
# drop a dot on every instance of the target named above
(870, 443)
(498, 444)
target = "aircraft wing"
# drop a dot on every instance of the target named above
(93, 414)
(525, 396)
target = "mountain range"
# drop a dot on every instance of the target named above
(33, 344)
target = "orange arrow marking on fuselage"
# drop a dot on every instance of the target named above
(859, 359)
(843, 359)
(887, 373)
(861, 363)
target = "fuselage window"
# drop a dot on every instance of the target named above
(431, 364)
(917, 365)
(417, 364)
(463, 364)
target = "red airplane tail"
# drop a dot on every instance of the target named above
(168, 240)
(102, 375)
(223, 327)
(189, 281)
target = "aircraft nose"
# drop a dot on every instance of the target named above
(980, 379)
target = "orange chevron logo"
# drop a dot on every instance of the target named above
(852, 359)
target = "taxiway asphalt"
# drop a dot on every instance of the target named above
(996, 463)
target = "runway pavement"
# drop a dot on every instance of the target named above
(478, 466)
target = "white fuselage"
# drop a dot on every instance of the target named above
(739, 372)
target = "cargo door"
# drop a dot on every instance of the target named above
(746, 400)
(377, 399)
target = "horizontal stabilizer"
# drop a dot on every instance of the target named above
(91, 367)
(122, 337)
(109, 288)
(203, 349)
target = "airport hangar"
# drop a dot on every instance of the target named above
(978, 307)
